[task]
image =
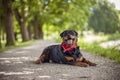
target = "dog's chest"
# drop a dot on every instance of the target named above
(69, 53)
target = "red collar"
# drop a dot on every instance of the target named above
(66, 48)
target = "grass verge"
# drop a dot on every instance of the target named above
(110, 53)
(18, 44)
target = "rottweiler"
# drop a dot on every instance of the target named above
(65, 53)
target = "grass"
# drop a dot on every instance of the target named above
(18, 44)
(110, 53)
(114, 36)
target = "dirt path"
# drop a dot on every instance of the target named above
(18, 64)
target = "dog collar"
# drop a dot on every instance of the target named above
(66, 48)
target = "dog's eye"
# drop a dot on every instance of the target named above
(73, 39)
(66, 39)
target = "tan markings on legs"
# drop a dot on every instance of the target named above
(90, 63)
(40, 59)
(81, 64)
(80, 59)
(69, 58)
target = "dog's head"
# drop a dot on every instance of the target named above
(69, 37)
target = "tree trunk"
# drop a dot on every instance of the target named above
(24, 32)
(40, 31)
(24, 29)
(7, 5)
(0, 38)
(29, 31)
(20, 16)
(36, 30)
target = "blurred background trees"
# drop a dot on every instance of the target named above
(104, 18)
(24, 20)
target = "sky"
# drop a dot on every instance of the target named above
(116, 2)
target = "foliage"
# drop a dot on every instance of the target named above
(104, 18)
(113, 36)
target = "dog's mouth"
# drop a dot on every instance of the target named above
(70, 41)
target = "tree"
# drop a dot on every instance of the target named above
(34, 16)
(31, 15)
(19, 10)
(62, 13)
(1, 19)
(104, 18)
(8, 19)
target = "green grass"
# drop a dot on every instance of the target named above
(18, 44)
(114, 36)
(110, 53)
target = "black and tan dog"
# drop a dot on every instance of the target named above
(66, 53)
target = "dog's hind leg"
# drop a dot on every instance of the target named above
(44, 57)
(69, 58)
(40, 59)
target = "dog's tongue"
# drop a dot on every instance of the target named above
(69, 41)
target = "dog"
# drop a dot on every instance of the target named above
(65, 53)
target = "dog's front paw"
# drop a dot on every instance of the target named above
(81, 64)
(92, 64)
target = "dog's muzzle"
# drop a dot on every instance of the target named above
(70, 41)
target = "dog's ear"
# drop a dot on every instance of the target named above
(76, 34)
(64, 33)
(61, 34)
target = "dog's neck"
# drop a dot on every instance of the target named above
(68, 48)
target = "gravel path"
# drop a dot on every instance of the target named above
(18, 64)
